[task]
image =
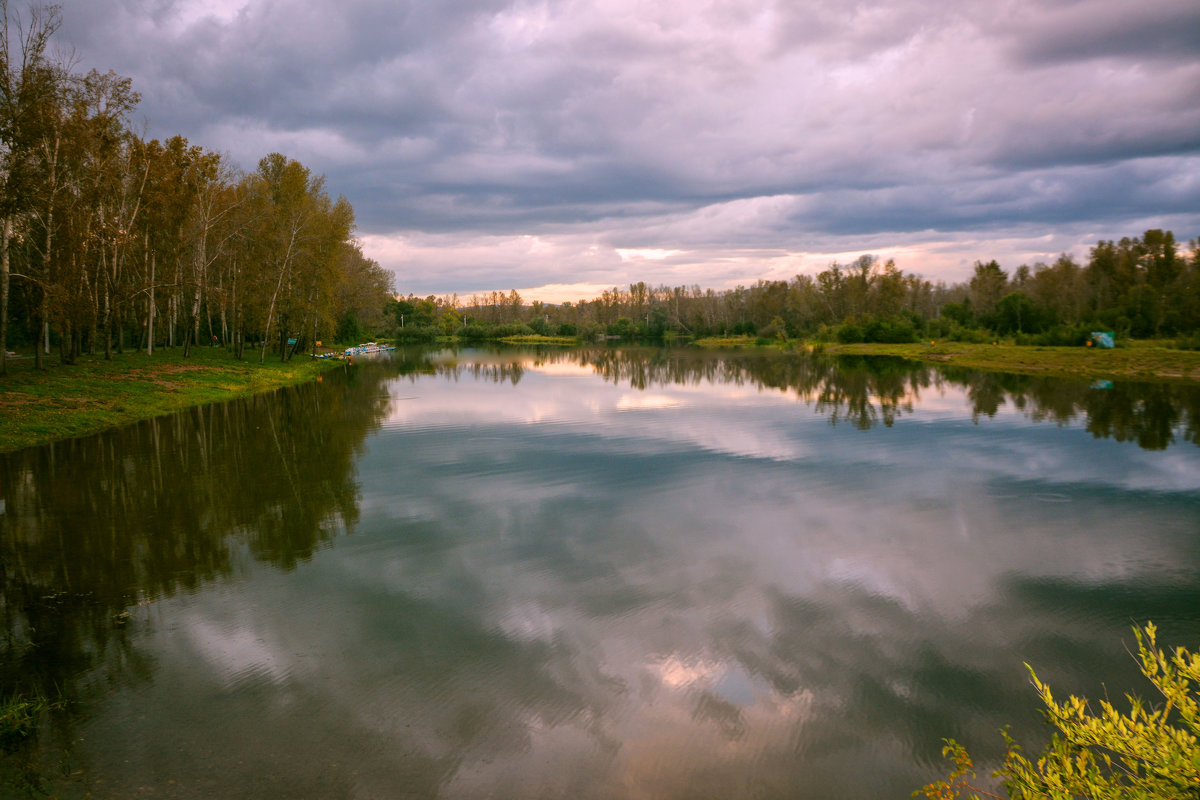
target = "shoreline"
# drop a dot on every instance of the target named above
(94, 395)
(1137, 361)
(1133, 361)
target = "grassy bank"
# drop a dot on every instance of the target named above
(1136, 361)
(94, 394)
(538, 339)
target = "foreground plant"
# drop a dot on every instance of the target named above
(1147, 753)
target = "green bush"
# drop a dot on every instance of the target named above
(1187, 342)
(1058, 336)
(474, 331)
(1147, 753)
(511, 329)
(970, 336)
(416, 333)
(889, 331)
(849, 333)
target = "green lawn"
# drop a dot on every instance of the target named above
(1133, 361)
(94, 394)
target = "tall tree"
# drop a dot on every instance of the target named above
(29, 82)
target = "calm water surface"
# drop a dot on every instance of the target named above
(588, 574)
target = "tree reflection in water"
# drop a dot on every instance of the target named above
(863, 391)
(92, 527)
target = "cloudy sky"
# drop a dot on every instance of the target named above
(563, 146)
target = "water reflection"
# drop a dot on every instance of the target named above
(863, 391)
(590, 574)
(94, 527)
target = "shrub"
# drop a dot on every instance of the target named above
(416, 333)
(849, 333)
(511, 329)
(1058, 336)
(1147, 753)
(1188, 342)
(889, 331)
(474, 331)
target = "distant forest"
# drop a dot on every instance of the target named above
(1145, 287)
(108, 240)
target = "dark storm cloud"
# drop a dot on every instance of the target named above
(1053, 32)
(816, 125)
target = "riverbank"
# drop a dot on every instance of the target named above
(94, 395)
(1135, 361)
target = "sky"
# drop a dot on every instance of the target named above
(563, 147)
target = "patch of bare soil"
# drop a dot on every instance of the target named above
(171, 368)
(15, 399)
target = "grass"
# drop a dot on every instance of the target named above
(93, 395)
(725, 342)
(539, 339)
(19, 717)
(1139, 360)
(738, 342)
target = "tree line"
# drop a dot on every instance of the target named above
(1139, 287)
(109, 240)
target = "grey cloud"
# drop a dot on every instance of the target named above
(1049, 33)
(1060, 196)
(490, 116)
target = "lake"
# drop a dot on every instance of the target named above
(589, 573)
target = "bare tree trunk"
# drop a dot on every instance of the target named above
(5, 236)
(233, 307)
(198, 276)
(224, 320)
(262, 357)
(150, 315)
(106, 319)
(92, 292)
(106, 325)
(283, 271)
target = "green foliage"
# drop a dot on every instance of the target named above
(1188, 342)
(1150, 752)
(414, 334)
(1059, 336)
(511, 329)
(19, 718)
(959, 313)
(893, 330)
(849, 333)
(897, 329)
(350, 330)
(774, 330)
(481, 331)
(623, 327)
(1016, 313)
(475, 332)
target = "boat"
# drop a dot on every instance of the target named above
(366, 349)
